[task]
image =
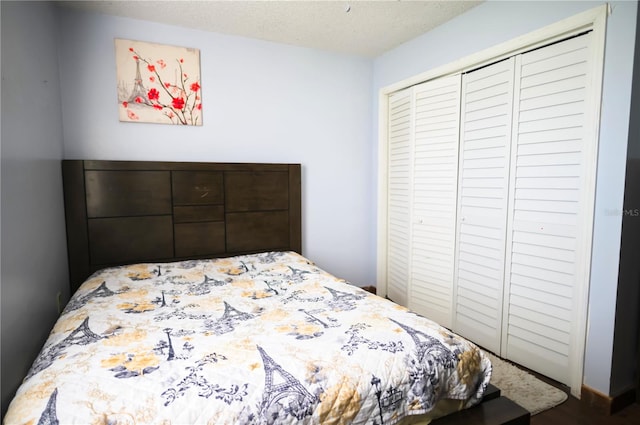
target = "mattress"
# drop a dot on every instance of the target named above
(268, 338)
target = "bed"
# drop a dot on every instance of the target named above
(193, 304)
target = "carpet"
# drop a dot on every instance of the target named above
(523, 388)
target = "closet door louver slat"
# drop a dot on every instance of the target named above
(485, 140)
(547, 184)
(437, 123)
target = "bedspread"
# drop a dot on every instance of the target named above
(258, 339)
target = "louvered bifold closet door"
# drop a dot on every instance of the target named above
(548, 175)
(487, 105)
(435, 180)
(400, 127)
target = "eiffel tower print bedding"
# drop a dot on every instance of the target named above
(258, 339)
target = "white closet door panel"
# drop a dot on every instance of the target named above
(560, 98)
(550, 111)
(556, 315)
(548, 182)
(549, 331)
(543, 241)
(484, 133)
(399, 202)
(558, 322)
(486, 108)
(543, 235)
(555, 56)
(536, 217)
(552, 147)
(559, 254)
(480, 314)
(487, 152)
(542, 125)
(493, 88)
(481, 192)
(558, 195)
(437, 122)
(523, 348)
(566, 171)
(559, 74)
(536, 282)
(555, 229)
(549, 158)
(567, 207)
(555, 135)
(555, 87)
(484, 143)
(540, 337)
(487, 104)
(481, 242)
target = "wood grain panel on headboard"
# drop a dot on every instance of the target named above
(124, 212)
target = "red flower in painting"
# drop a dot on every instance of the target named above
(178, 103)
(153, 94)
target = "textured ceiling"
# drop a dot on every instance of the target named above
(364, 28)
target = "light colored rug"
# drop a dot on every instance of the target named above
(522, 387)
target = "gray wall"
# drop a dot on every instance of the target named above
(34, 265)
(627, 331)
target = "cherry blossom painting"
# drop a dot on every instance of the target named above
(158, 83)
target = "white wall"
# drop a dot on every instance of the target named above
(262, 102)
(34, 257)
(494, 22)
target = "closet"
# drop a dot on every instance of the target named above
(490, 202)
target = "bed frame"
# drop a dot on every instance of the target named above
(125, 212)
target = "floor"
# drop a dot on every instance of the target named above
(573, 412)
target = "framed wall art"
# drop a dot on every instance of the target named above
(158, 83)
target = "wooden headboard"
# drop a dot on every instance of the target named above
(124, 212)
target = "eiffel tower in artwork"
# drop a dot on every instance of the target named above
(139, 92)
(229, 319)
(101, 291)
(49, 415)
(280, 385)
(428, 345)
(82, 335)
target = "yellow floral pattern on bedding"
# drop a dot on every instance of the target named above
(258, 339)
